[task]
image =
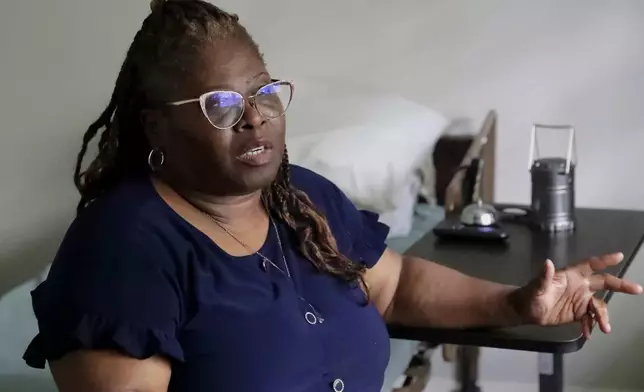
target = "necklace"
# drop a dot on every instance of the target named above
(265, 260)
(312, 317)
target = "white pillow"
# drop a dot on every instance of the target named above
(371, 144)
(399, 218)
(300, 146)
(375, 162)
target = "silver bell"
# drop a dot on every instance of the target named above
(479, 214)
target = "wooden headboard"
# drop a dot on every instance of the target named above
(453, 155)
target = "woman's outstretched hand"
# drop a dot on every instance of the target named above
(567, 295)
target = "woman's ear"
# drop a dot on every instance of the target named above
(155, 126)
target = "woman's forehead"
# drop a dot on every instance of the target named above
(231, 66)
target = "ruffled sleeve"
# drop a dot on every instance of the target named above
(107, 289)
(365, 233)
(96, 332)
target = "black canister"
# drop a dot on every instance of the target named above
(553, 194)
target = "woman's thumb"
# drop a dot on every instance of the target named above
(545, 280)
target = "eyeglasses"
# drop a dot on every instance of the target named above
(224, 109)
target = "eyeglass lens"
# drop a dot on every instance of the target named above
(225, 108)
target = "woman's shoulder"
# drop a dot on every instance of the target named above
(324, 194)
(112, 283)
(132, 205)
(132, 200)
(118, 227)
(316, 186)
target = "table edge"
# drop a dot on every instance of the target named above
(465, 337)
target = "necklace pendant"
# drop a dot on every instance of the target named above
(264, 265)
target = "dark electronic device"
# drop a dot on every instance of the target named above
(477, 221)
(454, 229)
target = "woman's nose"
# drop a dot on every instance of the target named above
(251, 118)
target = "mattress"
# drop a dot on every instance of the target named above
(425, 218)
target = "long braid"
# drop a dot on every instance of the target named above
(316, 239)
(95, 180)
(170, 37)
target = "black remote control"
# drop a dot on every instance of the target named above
(454, 229)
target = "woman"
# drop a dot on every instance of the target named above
(200, 260)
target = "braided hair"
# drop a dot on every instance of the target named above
(169, 39)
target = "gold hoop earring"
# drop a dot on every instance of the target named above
(156, 159)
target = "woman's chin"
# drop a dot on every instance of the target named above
(255, 177)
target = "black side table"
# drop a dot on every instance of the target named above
(598, 231)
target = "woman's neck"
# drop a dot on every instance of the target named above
(227, 210)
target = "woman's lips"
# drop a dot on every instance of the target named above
(257, 156)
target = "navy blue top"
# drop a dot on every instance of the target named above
(133, 275)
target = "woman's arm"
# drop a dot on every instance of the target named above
(417, 292)
(109, 371)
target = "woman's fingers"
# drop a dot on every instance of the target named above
(547, 276)
(610, 282)
(597, 312)
(586, 325)
(600, 263)
(600, 310)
